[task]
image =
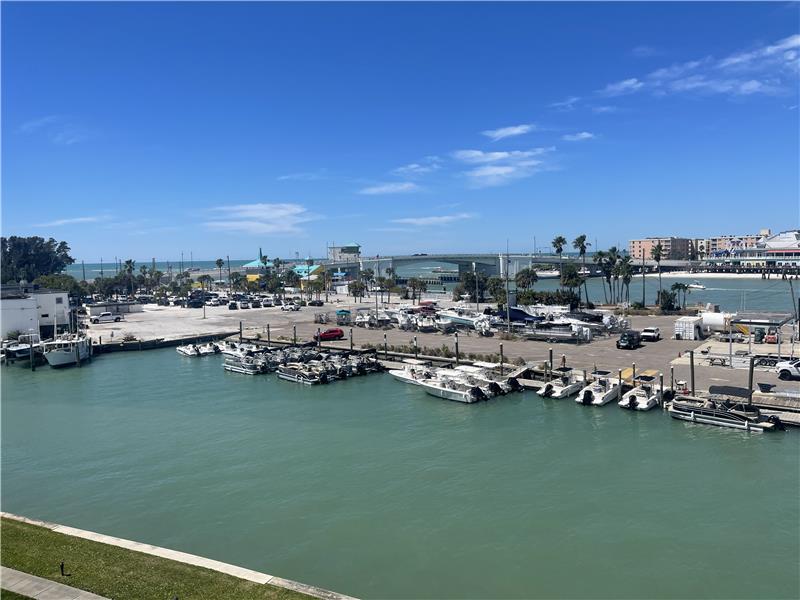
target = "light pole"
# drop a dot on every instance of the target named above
(475, 276)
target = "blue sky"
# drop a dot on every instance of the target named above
(148, 129)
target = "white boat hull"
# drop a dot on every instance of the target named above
(64, 357)
(709, 420)
(598, 397)
(557, 391)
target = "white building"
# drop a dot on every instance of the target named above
(25, 308)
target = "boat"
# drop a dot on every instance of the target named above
(245, 365)
(299, 374)
(643, 396)
(426, 324)
(209, 348)
(453, 389)
(468, 318)
(413, 374)
(563, 384)
(188, 350)
(696, 285)
(20, 349)
(722, 414)
(445, 325)
(67, 349)
(548, 273)
(603, 389)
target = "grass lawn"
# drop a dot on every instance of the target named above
(6, 595)
(119, 573)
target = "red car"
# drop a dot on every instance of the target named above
(330, 334)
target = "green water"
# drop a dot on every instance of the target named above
(372, 488)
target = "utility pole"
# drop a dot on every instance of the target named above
(644, 303)
(475, 276)
(229, 274)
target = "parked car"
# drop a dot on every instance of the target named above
(329, 334)
(651, 334)
(244, 304)
(772, 336)
(232, 305)
(106, 317)
(290, 306)
(629, 340)
(316, 303)
(256, 304)
(788, 369)
(213, 302)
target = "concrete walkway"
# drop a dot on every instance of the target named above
(184, 557)
(40, 588)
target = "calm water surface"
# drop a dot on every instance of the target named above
(372, 488)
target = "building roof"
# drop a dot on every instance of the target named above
(257, 264)
(763, 319)
(305, 270)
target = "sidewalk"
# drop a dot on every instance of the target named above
(41, 589)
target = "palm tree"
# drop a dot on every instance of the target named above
(612, 257)
(580, 244)
(264, 261)
(572, 279)
(236, 280)
(390, 282)
(657, 253)
(526, 278)
(220, 263)
(681, 288)
(128, 268)
(558, 245)
(626, 274)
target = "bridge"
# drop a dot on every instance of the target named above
(490, 264)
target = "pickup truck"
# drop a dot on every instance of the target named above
(788, 369)
(105, 317)
(651, 334)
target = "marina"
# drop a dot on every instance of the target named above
(350, 452)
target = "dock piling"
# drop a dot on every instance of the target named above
(501, 358)
(672, 378)
(691, 369)
(351, 339)
(30, 353)
(319, 332)
(633, 374)
(385, 347)
(750, 380)
(456, 345)
(619, 379)
(294, 334)
(661, 388)
(551, 358)
(240, 332)
(268, 336)
(416, 348)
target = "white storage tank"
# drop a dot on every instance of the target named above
(717, 321)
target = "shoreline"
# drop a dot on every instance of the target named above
(687, 274)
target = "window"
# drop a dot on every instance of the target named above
(44, 316)
(59, 300)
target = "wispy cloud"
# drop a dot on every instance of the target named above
(619, 88)
(305, 176)
(428, 165)
(506, 132)
(60, 130)
(578, 137)
(566, 105)
(644, 51)
(390, 188)
(479, 156)
(260, 218)
(433, 220)
(71, 221)
(600, 110)
(767, 69)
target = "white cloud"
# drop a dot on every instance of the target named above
(429, 165)
(304, 176)
(59, 129)
(565, 105)
(390, 188)
(604, 109)
(578, 137)
(260, 218)
(626, 86)
(504, 132)
(434, 220)
(479, 156)
(494, 175)
(780, 50)
(644, 51)
(71, 221)
(676, 70)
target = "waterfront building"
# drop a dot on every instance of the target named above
(344, 253)
(674, 248)
(779, 252)
(705, 247)
(25, 307)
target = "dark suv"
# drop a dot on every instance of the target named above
(629, 340)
